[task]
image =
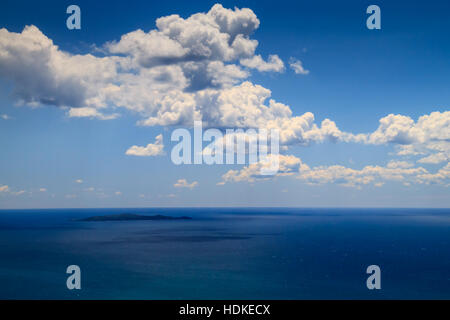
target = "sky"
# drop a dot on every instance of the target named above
(86, 115)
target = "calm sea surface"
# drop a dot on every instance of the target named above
(262, 253)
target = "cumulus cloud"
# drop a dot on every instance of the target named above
(403, 130)
(399, 164)
(189, 69)
(442, 176)
(5, 117)
(395, 171)
(428, 136)
(4, 188)
(151, 150)
(79, 181)
(435, 158)
(171, 75)
(287, 165)
(297, 66)
(274, 63)
(182, 183)
(43, 74)
(87, 112)
(375, 175)
(218, 35)
(399, 171)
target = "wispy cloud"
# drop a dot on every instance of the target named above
(151, 150)
(182, 183)
(297, 66)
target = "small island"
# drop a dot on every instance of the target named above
(131, 217)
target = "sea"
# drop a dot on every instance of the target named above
(226, 253)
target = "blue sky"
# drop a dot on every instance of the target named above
(356, 77)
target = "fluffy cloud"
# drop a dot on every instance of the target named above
(376, 175)
(274, 63)
(43, 74)
(4, 188)
(399, 164)
(87, 112)
(151, 150)
(297, 66)
(219, 35)
(5, 117)
(397, 171)
(172, 75)
(428, 136)
(189, 69)
(198, 46)
(440, 177)
(436, 158)
(182, 183)
(403, 130)
(287, 165)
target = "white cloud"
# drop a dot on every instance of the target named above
(170, 75)
(395, 171)
(118, 193)
(399, 164)
(42, 190)
(403, 130)
(7, 190)
(5, 117)
(357, 178)
(151, 150)
(297, 66)
(219, 35)
(288, 165)
(87, 112)
(43, 74)
(182, 183)
(428, 136)
(442, 176)
(79, 181)
(274, 64)
(435, 158)
(399, 171)
(190, 69)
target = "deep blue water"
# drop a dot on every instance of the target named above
(227, 254)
